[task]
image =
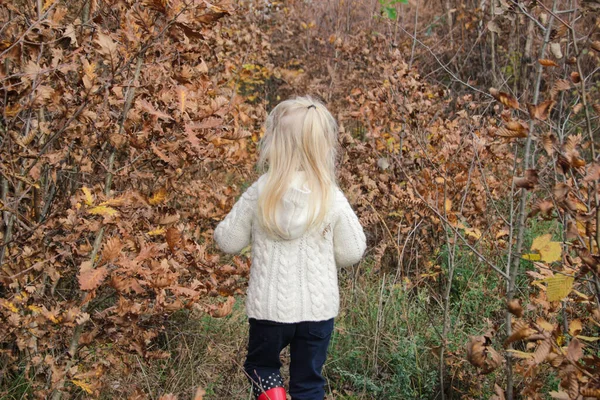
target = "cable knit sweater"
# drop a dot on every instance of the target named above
(293, 279)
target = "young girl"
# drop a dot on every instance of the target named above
(301, 227)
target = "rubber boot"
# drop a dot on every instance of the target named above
(277, 393)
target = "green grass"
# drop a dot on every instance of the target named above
(382, 348)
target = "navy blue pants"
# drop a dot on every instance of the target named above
(308, 343)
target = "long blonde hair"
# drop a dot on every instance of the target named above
(300, 135)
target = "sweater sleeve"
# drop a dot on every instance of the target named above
(235, 231)
(349, 242)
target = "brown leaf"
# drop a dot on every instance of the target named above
(547, 63)
(91, 278)
(575, 77)
(507, 133)
(520, 334)
(575, 350)
(211, 17)
(559, 86)
(596, 108)
(505, 98)
(593, 173)
(542, 351)
(560, 191)
(559, 32)
(107, 46)
(549, 143)
(158, 197)
(200, 392)
(169, 219)
(587, 257)
(169, 396)
(149, 108)
(517, 126)
(595, 45)
(515, 308)
(499, 393)
(112, 249)
(224, 309)
(528, 181)
(575, 327)
(173, 238)
(542, 110)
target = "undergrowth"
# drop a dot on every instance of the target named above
(383, 347)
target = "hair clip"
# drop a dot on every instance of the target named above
(312, 106)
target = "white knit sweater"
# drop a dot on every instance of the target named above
(293, 279)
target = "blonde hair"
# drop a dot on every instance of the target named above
(300, 135)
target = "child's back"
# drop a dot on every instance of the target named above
(301, 228)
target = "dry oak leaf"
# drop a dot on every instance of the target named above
(149, 108)
(91, 278)
(107, 46)
(505, 98)
(112, 249)
(169, 396)
(593, 173)
(88, 198)
(158, 197)
(544, 207)
(482, 355)
(224, 309)
(105, 211)
(542, 110)
(86, 387)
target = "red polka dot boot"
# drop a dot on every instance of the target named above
(277, 393)
(270, 388)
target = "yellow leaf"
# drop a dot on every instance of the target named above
(35, 309)
(448, 205)
(588, 338)
(89, 199)
(545, 325)
(473, 232)
(549, 251)
(84, 386)
(10, 306)
(158, 197)
(157, 231)
(559, 287)
(520, 354)
(104, 211)
(531, 257)
(575, 327)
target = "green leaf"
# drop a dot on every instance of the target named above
(391, 12)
